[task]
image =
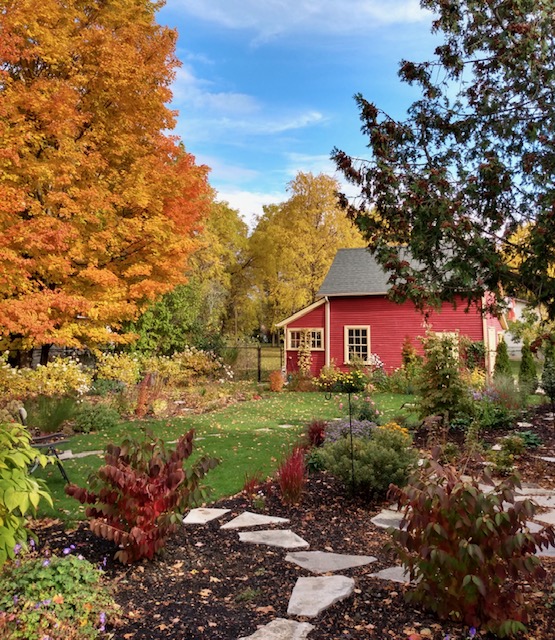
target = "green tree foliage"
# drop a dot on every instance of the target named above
(527, 374)
(441, 390)
(294, 244)
(548, 373)
(195, 313)
(20, 493)
(471, 163)
(502, 366)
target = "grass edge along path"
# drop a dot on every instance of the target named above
(248, 437)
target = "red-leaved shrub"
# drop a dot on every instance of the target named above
(291, 476)
(139, 495)
(315, 433)
(468, 550)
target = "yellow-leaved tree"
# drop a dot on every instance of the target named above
(294, 244)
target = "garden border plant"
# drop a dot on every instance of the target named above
(139, 495)
(466, 549)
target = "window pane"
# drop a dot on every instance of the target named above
(357, 343)
(316, 340)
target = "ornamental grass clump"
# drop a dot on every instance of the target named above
(140, 494)
(292, 476)
(466, 549)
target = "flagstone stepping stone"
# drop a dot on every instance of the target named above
(524, 425)
(311, 596)
(281, 629)
(548, 517)
(543, 501)
(203, 515)
(546, 458)
(249, 519)
(394, 574)
(387, 518)
(283, 538)
(324, 562)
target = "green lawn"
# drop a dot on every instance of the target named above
(247, 437)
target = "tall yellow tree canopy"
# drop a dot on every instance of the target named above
(294, 244)
(99, 206)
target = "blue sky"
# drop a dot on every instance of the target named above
(266, 86)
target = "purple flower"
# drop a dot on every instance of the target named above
(15, 599)
(471, 632)
(32, 543)
(45, 562)
(69, 549)
(17, 548)
(102, 621)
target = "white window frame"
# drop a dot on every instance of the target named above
(346, 350)
(316, 334)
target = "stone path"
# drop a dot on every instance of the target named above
(313, 595)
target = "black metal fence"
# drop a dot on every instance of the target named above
(253, 362)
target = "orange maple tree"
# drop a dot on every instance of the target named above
(99, 204)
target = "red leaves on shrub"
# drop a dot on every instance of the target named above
(139, 494)
(316, 433)
(467, 549)
(291, 476)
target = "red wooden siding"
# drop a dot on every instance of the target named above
(314, 319)
(389, 324)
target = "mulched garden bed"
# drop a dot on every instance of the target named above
(208, 585)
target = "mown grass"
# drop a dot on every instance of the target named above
(247, 437)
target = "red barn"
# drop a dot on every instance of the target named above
(353, 317)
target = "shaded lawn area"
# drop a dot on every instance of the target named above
(248, 437)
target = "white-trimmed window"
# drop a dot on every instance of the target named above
(295, 339)
(357, 343)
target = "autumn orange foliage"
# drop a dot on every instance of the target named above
(99, 205)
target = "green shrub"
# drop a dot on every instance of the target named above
(94, 417)
(53, 597)
(102, 387)
(527, 373)
(20, 493)
(403, 380)
(385, 456)
(491, 415)
(531, 439)
(139, 495)
(364, 408)
(502, 366)
(49, 413)
(466, 549)
(441, 390)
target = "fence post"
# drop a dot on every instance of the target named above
(259, 362)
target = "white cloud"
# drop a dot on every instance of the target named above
(250, 203)
(198, 94)
(270, 18)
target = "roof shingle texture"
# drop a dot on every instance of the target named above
(354, 272)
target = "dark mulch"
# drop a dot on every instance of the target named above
(208, 585)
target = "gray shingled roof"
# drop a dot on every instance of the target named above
(354, 272)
